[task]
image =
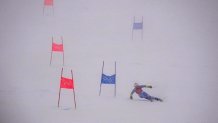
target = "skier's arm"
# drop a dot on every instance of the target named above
(146, 86)
(133, 91)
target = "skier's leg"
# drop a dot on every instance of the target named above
(146, 96)
(159, 99)
(149, 97)
(156, 98)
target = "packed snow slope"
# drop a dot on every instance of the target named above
(177, 56)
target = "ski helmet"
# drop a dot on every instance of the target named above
(135, 84)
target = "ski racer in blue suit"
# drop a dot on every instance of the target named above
(142, 94)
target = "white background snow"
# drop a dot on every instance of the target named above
(177, 56)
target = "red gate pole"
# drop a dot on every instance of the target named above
(74, 94)
(60, 88)
(51, 51)
(63, 48)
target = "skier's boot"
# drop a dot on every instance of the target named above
(158, 99)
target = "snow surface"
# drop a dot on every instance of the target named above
(177, 56)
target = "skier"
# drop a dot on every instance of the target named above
(142, 94)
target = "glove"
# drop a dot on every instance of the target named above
(131, 97)
(149, 86)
